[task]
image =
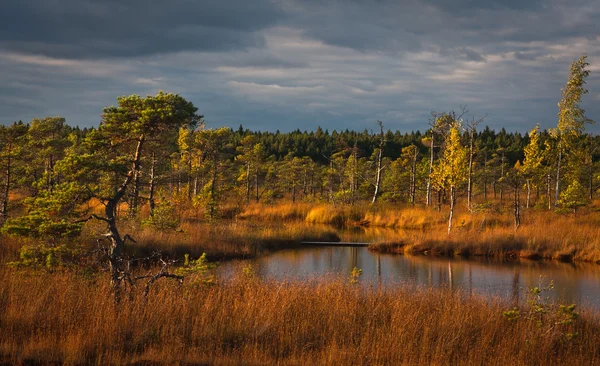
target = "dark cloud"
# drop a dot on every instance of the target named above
(108, 28)
(284, 64)
(414, 25)
(462, 6)
(463, 53)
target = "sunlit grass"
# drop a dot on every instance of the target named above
(65, 318)
(419, 230)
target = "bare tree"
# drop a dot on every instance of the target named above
(472, 130)
(379, 162)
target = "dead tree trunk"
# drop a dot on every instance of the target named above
(548, 194)
(152, 185)
(557, 191)
(452, 202)
(247, 182)
(502, 178)
(528, 193)
(213, 186)
(517, 204)
(472, 128)
(430, 168)
(413, 178)
(256, 183)
(379, 163)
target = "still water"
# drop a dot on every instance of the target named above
(509, 279)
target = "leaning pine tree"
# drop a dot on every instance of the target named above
(571, 121)
(103, 166)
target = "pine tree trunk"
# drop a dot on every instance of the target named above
(591, 181)
(213, 187)
(501, 177)
(485, 177)
(413, 179)
(117, 242)
(5, 194)
(256, 183)
(247, 182)
(135, 196)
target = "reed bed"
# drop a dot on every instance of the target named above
(564, 238)
(491, 232)
(223, 240)
(282, 211)
(70, 319)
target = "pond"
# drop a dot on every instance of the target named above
(509, 279)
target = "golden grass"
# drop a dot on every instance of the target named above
(225, 239)
(542, 235)
(414, 230)
(64, 318)
(380, 215)
(335, 215)
(283, 211)
(408, 218)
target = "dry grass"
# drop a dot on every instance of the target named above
(408, 218)
(69, 318)
(543, 235)
(283, 211)
(224, 240)
(335, 215)
(63, 318)
(381, 215)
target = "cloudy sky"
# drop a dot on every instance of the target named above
(287, 64)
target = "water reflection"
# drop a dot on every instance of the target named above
(509, 279)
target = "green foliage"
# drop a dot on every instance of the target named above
(51, 215)
(571, 117)
(198, 271)
(249, 272)
(355, 275)
(534, 157)
(513, 314)
(452, 169)
(165, 217)
(574, 196)
(44, 257)
(548, 316)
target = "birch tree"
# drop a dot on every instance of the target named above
(452, 169)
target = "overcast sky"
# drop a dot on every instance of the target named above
(288, 64)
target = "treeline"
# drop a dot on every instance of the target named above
(184, 163)
(216, 164)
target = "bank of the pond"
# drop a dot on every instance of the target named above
(491, 245)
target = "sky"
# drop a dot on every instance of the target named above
(300, 64)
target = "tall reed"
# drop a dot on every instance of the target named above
(65, 318)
